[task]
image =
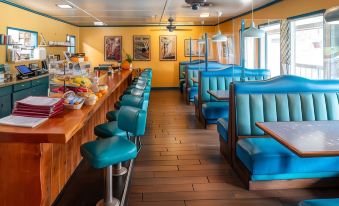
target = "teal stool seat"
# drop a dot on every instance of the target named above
(108, 130)
(112, 115)
(127, 100)
(105, 152)
(320, 202)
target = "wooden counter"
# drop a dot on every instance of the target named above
(37, 162)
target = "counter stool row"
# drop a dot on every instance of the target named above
(119, 139)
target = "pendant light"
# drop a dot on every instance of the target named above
(252, 31)
(202, 39)
(331, 15)
(219, 37)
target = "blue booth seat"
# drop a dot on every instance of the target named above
(215, 110)
(284, 98)
(192, 71)
(267, 159)
(320, 202)
(222, 128)
(182, 66)
(212, 109)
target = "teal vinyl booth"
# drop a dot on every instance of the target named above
(261, 161)
(209, 108)
(192, 71)
(182, 67)
(320, 202)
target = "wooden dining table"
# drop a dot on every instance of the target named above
(221, 95)
(306, 138)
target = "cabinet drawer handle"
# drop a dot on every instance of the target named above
(22, 85)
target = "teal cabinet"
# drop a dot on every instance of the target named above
(10, 94)
(5, 105)
(21, 86)
(40, 90)
(5, 101)
(21, 95)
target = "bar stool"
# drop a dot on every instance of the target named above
(134, 92)
(127, 100)
(104, 153)
(131, 122)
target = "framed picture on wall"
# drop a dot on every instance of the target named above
(113, 48)
(168, 47)
(141, 48)
(197, 50)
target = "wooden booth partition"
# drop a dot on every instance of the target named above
(36, 163)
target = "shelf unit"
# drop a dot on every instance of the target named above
(24, 61)
(54, 46)
(10, 44)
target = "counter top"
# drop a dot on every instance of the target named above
(61, 128)
(17, 81)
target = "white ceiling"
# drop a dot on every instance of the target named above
(138, 12)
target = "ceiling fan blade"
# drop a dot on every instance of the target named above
(158, 29)
(183, 29)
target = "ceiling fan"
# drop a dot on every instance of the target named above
(171, 27)
(196, 4)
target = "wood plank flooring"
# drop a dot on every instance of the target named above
(180, 164)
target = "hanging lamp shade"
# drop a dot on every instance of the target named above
(254, 32)
(331, 15)
(219, 37)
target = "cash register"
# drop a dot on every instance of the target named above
(27, 72)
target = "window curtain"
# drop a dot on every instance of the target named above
(285, 47)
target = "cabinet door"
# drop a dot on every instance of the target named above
(41, 90)
(5, 105)
(21, 95)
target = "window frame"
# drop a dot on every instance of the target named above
(293, 51)
(72, 47)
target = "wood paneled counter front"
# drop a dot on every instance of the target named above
(35, 163)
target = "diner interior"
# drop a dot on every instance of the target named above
(169, 103)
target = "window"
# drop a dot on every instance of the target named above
(249, 48)
(71, 39)
(307, 46)
(331, 51)
(24, 41)
(270, 48)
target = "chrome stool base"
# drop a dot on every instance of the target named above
(119, 170)
(114, 202)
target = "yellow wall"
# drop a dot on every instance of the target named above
(53, 30)
(165, 73)
(281, 10)
(91, 40)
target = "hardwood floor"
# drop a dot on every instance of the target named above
(180, 164)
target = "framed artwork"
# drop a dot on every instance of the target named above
(168, 47)
(141, 48)
(113, 48)
(197, 50)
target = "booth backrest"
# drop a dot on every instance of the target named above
(192, 71)
(284, 98)
(221, 79)
(183, 64)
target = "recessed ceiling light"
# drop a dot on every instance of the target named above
(204, 15)
(64, 6)
(99, 23)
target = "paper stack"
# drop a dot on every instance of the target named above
(33, 111)
(41, 107)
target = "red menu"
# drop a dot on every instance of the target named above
(43, 107)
